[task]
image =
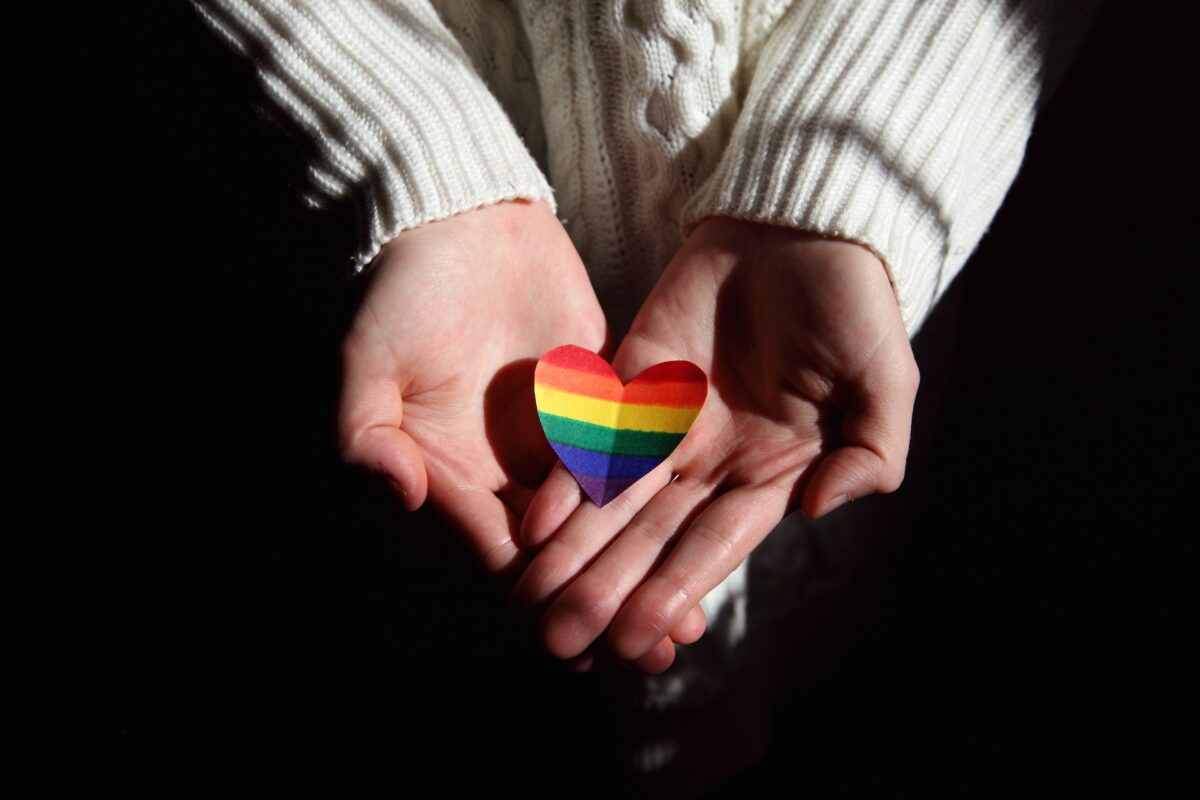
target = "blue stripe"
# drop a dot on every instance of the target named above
(604, 465)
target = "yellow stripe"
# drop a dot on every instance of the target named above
(623, 416)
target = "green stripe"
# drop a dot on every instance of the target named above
(608, 440)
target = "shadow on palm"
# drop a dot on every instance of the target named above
(514, 433)
(774, 429)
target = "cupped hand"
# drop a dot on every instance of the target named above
(438, 376)
(812, 385)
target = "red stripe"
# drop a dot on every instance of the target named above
(571, 356)
(675, 395)
(672, 372)
(678, 384)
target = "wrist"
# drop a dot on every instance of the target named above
(745, 237)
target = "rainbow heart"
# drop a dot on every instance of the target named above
(607, 434)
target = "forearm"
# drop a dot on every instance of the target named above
(388, 106)
(897, 125)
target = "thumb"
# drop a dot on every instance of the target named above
(392, 452)
(369, 418)
(871, 459)
(638, 353)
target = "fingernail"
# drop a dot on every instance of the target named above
(835, 504)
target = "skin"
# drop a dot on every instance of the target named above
(438, 384)
(812, 385)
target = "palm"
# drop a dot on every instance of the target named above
(802, 340)
(785, 347)
(438, 391)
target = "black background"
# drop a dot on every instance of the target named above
(281, 620)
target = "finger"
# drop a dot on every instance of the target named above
(550, 507)
(517, 498)
(392, 452)
(692, 627)
(658, 659)
(586, 607)
(584, 662)
(636, 354)
(715, 543)
(875, 435)
(489, 525)
(581, 538)
(369, 416)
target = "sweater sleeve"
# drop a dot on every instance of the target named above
(897, 125)
(396, 116)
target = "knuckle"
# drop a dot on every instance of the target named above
(349, 447)
(914, 376)
(549, 572)
(597, 330)
(892, 477)
(910, 375)
(496, 556)
(642, 625)
(651, 530)
(624, 504)
(717, 540)
(594, 601)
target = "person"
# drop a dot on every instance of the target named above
(779, 192)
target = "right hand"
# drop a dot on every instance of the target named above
(812, 386)
(438, 365)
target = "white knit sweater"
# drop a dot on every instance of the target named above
(897, 124)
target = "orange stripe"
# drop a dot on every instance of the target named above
(674, 395)
(576, 382)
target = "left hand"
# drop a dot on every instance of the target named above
(812, 385)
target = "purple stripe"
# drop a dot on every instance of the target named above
(601, 490)
(604, 465)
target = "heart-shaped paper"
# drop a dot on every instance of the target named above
(607, 434)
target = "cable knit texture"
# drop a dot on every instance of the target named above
(895, 123)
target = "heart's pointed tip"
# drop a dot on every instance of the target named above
(602, 497)
(602, 490)
(605, 499)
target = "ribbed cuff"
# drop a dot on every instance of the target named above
(896, 125)
(398, 118)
